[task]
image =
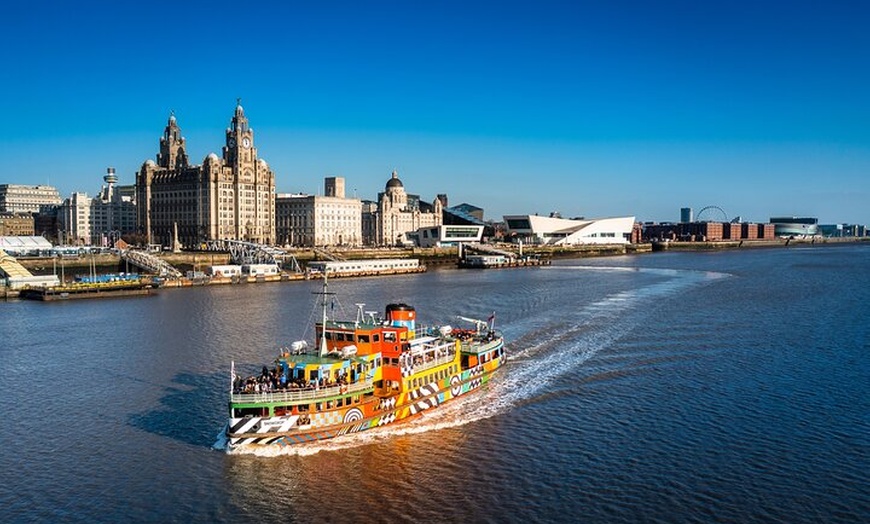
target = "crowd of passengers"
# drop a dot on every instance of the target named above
(467, 335)
(274, 380)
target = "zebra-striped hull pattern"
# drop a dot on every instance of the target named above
(285, 431)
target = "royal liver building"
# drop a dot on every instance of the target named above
(228, 198)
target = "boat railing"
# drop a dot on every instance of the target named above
(437, 361)
(298, 395)
(480, 346)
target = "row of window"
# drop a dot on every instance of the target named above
(438, 375)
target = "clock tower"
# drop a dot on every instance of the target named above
(239, 152)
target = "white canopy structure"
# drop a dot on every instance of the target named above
(540, 230)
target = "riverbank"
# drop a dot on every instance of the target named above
(748, 244)
(431, 257)
(445, 257)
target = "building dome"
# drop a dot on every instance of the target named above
(150, 163)
(212, 156)
(394, 181)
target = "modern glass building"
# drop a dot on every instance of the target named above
(795, 226)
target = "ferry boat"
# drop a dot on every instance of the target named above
(362, 373)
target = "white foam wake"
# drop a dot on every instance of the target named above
(538, 356)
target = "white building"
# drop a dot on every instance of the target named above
(100, 220)
(446, 235)
(314, 221)
(534, 229)
(16, 198)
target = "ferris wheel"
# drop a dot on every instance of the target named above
(712, 214)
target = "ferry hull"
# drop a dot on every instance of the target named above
(256, 432)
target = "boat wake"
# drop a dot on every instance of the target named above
(539, 353)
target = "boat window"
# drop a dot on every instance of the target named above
(363, 339)
(376, 338)
(328, 335)
(302, 408)
(389, 336)
(252, 412)
(318, 406)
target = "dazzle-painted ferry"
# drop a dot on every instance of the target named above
(362, 374)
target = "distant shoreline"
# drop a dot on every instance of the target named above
(199, 260)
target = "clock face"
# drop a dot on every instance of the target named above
(231, 142)
(246, 142)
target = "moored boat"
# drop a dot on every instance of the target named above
(361, 374)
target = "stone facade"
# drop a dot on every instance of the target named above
(319, 221)
(228, 198)
(16, 225)
(397, 214)
(15, 198)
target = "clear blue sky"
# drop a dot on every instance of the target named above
(592, 109)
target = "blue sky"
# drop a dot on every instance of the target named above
(587, 108)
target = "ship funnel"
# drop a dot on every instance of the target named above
(399, 315)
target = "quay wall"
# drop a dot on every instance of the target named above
(431, 257)
(740, 244)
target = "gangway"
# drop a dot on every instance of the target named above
(150, 263)
(242, 252)
(11, 268)
(480, 248)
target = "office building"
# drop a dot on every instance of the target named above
(319, 221)
(226, 198)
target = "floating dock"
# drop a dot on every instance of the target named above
(499, 261)
(81, 291)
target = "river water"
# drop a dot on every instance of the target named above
(674, 387)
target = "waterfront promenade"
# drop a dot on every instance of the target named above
(445, 257)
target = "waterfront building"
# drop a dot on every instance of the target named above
(463, 214)
(687, 214)
(15, 198)
(101, 220)
(227, 198)
(552, 230)
(16, 224)
(369, 221)
(317, 221)
(446, 235)
(74, 220)
(397, 214)
(795, 226)
(468, 215)
(707, 231)
(843, 230)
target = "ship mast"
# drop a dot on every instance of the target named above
(323, 293)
